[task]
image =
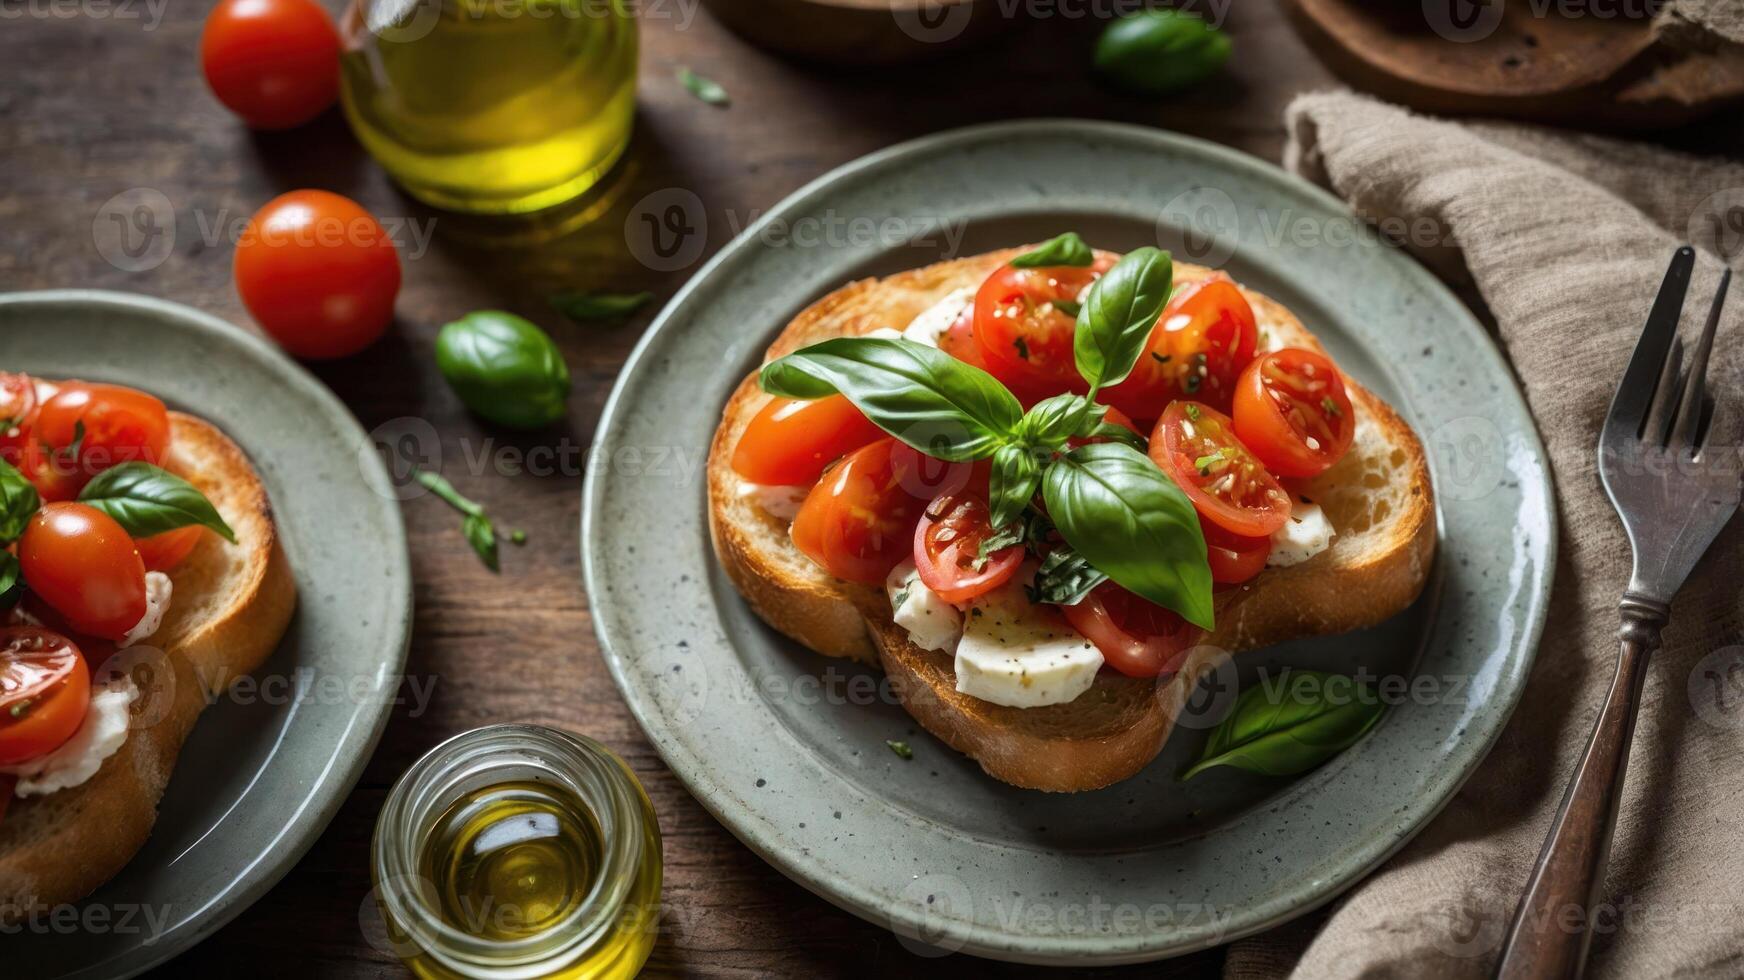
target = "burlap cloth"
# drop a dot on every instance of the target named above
(1565, 238)
(1691, 23)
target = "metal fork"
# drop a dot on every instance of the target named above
(1669, 461)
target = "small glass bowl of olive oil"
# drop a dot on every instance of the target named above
(491, 106)
(519, 851)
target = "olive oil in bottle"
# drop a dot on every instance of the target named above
(515, 852)
(513, 859)
(491, 106)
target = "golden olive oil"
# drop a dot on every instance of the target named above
(492, 106)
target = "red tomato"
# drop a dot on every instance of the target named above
(88, 428)
(275, 63)
(1233, 557)
(1196, 446)
(1137, 637)
(318, 273)
(162, 552)
(1023, 334)
(45, 690)
(17, 413)
(1291, 409)
(80, 563)
(1206, 335)
(790, 441)
(858, 522)
(947, 549)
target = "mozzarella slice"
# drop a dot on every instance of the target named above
(779, 502)
(98, 737)
(1307, 533)
(1018, 654)
(936, 319)
(158, 588)
(931, 622)
(885, 333)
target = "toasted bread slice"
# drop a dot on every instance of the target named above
(1377, 498)
(229, 608)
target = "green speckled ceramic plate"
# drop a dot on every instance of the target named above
(268, 765)
(788, 750)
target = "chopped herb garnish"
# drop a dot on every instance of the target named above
(22, 708)
(518, 536)
(1206, 463)
(1022, 348)
(1193, 412)
(1330, 407)
(706, 89)
(900, 748)
(1159, 358)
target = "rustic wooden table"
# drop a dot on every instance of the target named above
(109, 98)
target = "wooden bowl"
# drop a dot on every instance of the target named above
(1503, 60)
(861, 32)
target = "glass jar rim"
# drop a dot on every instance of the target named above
(587, 768)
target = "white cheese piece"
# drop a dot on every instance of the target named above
(931, 622)
(100, 736)
(779, 502)
(158, 588)
(1307, 533)
(937, 318)
(885, 333)
(1018, 654)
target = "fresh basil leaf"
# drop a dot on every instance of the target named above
(18, 500)
(8, 579)
(1012, 484)
(1119, 315)
(1117, 509)
(1008, 536)
(147, 500)
(919, 394)
(1104, 429)
(482, 535)
(504, 368)
(1157, 52)
(706, 89)
(1067, 249)
(1068, 307)
(1054, 420)
(1064, 578)
(598, 306)
(1290, 725)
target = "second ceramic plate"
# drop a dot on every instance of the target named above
(788, 750)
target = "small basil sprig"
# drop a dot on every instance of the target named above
(1119, 314)
(919, 394)
(475, 524)
(504, 368)
(1290, 725)
(1130, 521)
(1067, 249)
(1120, 516)
(18, 500)
(147, 500)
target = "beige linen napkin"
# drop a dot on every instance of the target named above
(1690, 23)
(1565, 238)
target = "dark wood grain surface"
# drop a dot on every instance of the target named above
(107, 100)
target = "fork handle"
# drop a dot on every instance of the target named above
(1550, 936)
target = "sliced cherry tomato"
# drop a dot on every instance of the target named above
(1234, 558)
(88, 428)
(1023, 332)
(45, 690)
(947, 549)
(17, 414)
(790, 441)
(275, 63)
(858, 522)
(164, 551)
(77, 560)
(1292, 410)
(1137, 637)
(318, 273)
(1196, 446)
(1201, 343)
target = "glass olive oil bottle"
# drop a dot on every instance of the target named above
(491, 106)
(516, 852)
